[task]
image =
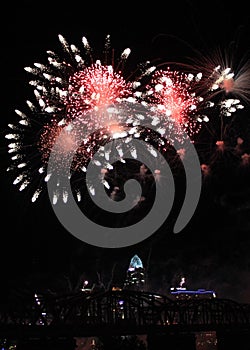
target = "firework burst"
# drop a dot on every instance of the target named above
(224, 88)
(225, 84)
(65, 90)
(76, 95)
(171, 97)
(225, 76)
(90, 102)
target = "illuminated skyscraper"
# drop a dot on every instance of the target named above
(135, 279)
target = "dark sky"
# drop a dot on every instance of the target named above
(213, 250)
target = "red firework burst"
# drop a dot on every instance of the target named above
(171, 92)
(94, 88)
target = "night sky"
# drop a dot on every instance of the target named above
(37, 253)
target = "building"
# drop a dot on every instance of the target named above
(192, 294)
(182, 292)
(135, 278)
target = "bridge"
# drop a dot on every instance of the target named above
(124, 312)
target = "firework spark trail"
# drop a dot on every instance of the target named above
(226, 82)
(223, 76)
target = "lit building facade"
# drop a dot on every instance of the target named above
(135, 279)
(182, 292)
